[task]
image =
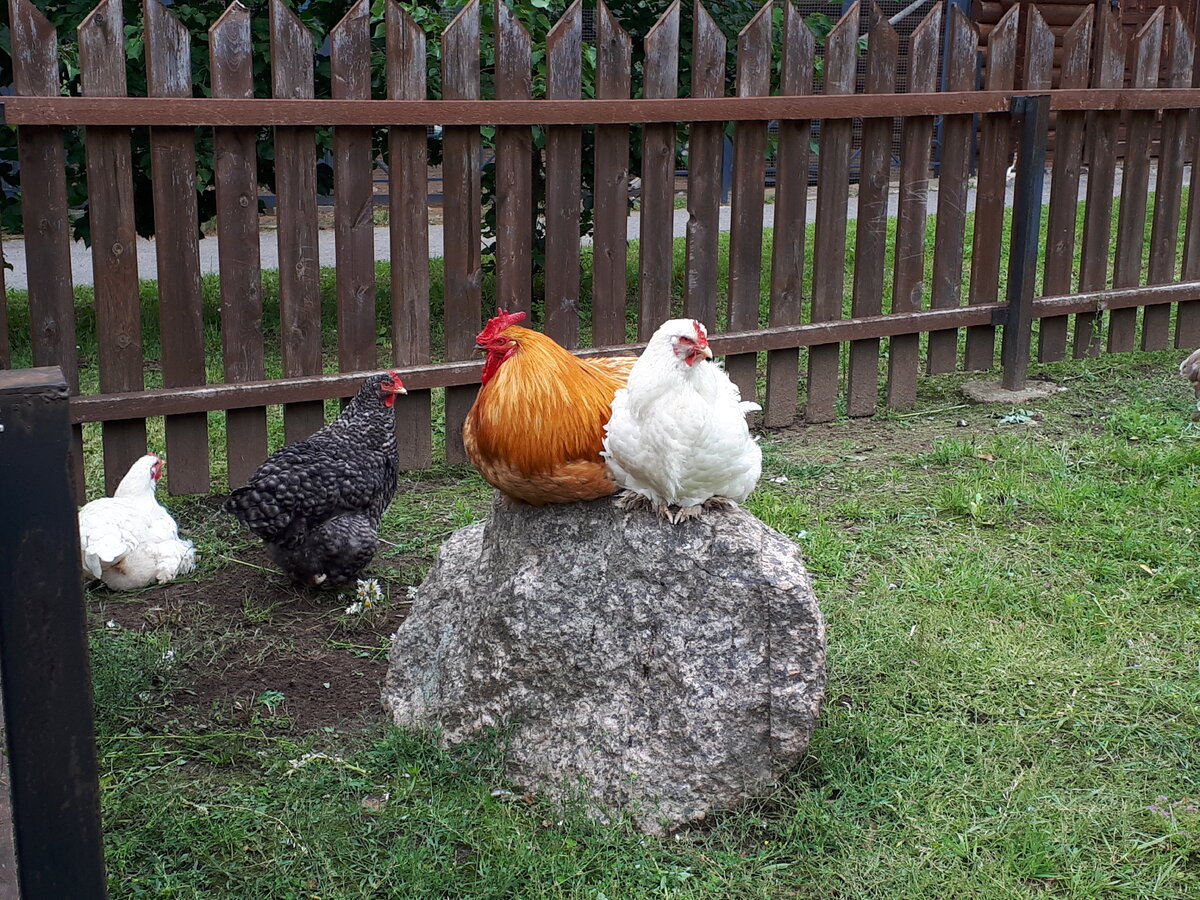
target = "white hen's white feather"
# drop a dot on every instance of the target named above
(128, 540)
(678, 433)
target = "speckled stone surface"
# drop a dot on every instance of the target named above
(653, 670)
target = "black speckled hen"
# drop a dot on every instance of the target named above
(317, 503)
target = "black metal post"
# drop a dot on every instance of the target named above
(43, 647)
(1031, 120)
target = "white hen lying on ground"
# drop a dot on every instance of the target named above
(678, 435)
(128, 540)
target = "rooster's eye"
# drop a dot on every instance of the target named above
(686, 340)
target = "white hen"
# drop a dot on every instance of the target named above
(677, 435)
(128, 540)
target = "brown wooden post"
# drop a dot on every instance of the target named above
(44, 665)
(656, 260)
(296, 219)
(408, 229)
(114, 237)
(1031, 115)
(610, 256)
(705, 151)
(514, 175)
(564, 149)
(44, 209)
(236, 166)
(792, 162)
(746, 208)
(353, 195)
(870, 245)
(460, 177)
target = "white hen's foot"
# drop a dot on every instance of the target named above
(631, 500)
(686, 512)
(718, 503)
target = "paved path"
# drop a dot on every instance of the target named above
(81, 260)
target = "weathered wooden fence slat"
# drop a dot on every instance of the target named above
(656, 255)
(5, 341)
(1187, 323)
(995, 155)
(461, 230)
(42, 158)
(236, 164)
(908, 278)
(564, 159)
(746, 212)
(610, 257)
(1108, 71)
(1168, 189)
(114, 237)
(296, 219)
(870, 247)
(408, 233)
(353, 194)
(180, 300)
(1135, 181)
(791, 217)
(829, 238)
(946, 286)
(705, 156)
(1064, 187)
(514, 173)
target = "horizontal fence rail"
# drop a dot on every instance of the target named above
(838, 305)
(217, 112)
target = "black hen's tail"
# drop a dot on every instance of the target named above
(260, 512)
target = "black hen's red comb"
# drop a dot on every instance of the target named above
(498, 323)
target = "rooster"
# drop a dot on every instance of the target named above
(317, 503)
(678, 434)
(537, 426)
(128, 540)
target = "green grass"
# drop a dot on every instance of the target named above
(1013, 689)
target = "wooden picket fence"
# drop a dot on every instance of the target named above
(840, 343)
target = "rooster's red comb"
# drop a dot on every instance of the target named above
(498, 323)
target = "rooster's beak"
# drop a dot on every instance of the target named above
(707, 351)
(479, 348)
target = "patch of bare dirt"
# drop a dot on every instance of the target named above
(242, 634)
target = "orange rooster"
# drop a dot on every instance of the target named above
(537, 427)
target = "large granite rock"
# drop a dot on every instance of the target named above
(658, 671)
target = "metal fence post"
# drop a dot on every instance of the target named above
(1031, 120)
(43, 647)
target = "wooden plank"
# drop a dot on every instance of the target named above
(408, 231)
(791, 212)
(656, 223)
(461, 187)
(514, 173)
(1131, 222)
(5, 344)
(300, 112)
(44, 208)
(705, 158)
(833, 182)
(1168, 190)
(177, 247)
(1064, 188)
(51, 737)
(747, 201)
(949, 238)
(995, 154)
(296, 219)
(236, 163)
(564, 149)
(870, 246)
(610, 228)
(1108, 72)
(114, 237)
(908, 279)
(1187, 321)
(1052, 13)
(353, 196)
